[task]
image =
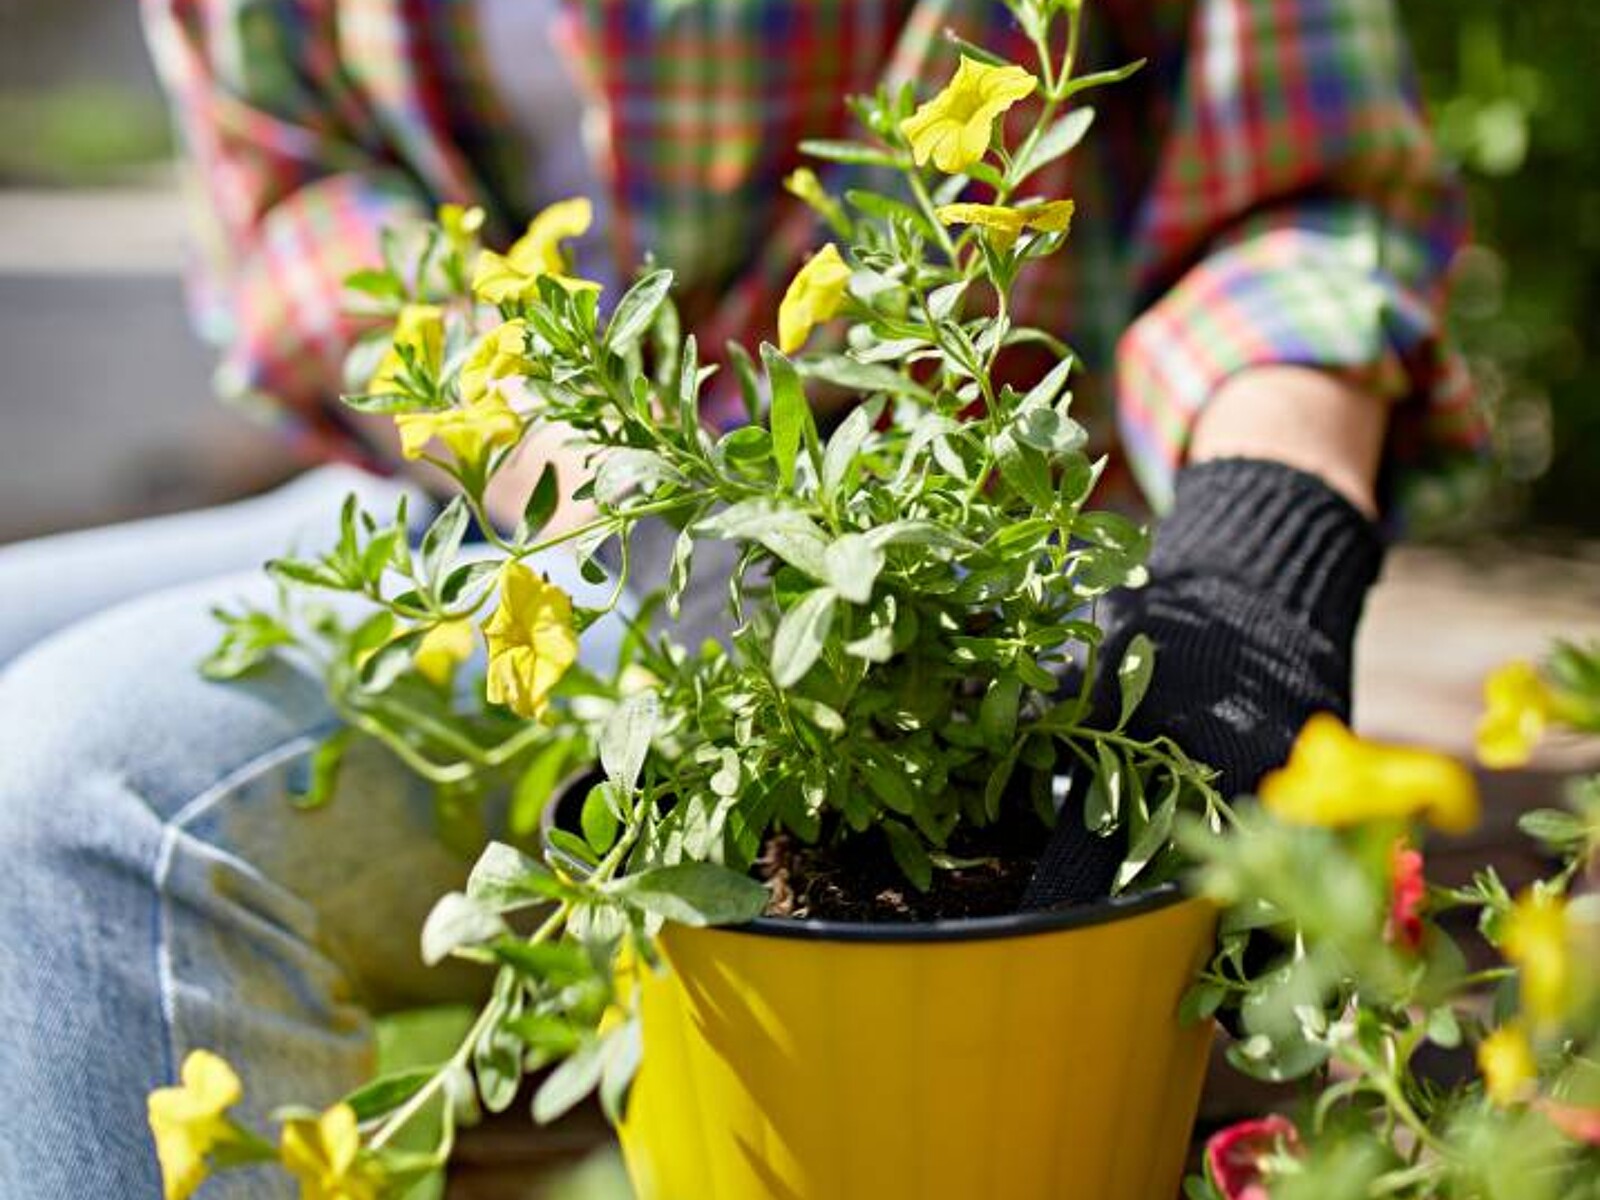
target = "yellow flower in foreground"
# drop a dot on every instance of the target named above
(1509, 1070)
(954, 127)
(814, 296)
(531, 641)
(419, 329)
(188, 1121)
(515, 275)
(1335, 778)
(323, 1154)
(442, 649)
(1006, 224)
(469, 431)
(1538, 939)
(1518, 704)
(498, 355)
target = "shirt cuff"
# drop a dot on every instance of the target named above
(1320, 283)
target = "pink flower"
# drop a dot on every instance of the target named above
(1579, 1124)
(1407, 893)
(1234, 1155)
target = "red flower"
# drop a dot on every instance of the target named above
(1579, 1124)
(1407, 893)
(1234, 1155)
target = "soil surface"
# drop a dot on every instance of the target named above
(856, 879)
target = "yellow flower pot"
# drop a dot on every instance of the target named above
(1011, 1058)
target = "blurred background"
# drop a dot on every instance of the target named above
(91, 243)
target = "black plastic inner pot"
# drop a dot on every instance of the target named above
(566, 805)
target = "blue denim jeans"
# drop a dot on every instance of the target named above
(158, 891)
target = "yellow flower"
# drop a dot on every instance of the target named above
(419, 329)
(515, 275)
(954, 127)
(814, 296)
(804, 184)
(460, 224)
(1518, 705)
(1509, 1070)
(324, 1155)
(500, 354)
(1335, 778)
(188, 1121)
(531, 641)
(443, 648)
(1006, 224)
(1538, 939)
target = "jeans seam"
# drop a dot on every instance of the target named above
(171, 831)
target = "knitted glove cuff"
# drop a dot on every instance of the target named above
(1277, 533)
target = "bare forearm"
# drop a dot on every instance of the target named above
(1303, 417)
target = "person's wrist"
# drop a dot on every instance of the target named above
(1303, 417)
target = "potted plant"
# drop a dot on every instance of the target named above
(791, 894)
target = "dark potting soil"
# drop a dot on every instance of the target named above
(856, 879)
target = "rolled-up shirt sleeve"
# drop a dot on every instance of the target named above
(289, 199)
(1300, 213)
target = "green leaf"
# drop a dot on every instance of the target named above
(637, 309)
(247, 642)
(570, 1082)
(842, 449)
(749, 385)
(692, 893)
(997, 714)
(1553, 827)
(1059, 139)
(1102, 807)
(1152, 839)
(541, 505)
(443, 538)
(1201, 1001)
(624, 1049)
(627, 468)
(497, 1064)
(625, 741)
(1100, 78)
(790, 420)
(843, 371)
(854, 153)
(388, 1092)
(910, 855)
(851, 564)
(505, 878)
(326, 761)
(786, 532)
(800, 636)
(1133, 674)
(457, 921)
(380, 285)
(599, 821)
(942, 301)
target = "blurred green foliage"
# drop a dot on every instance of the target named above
(80, 135)
(1515, 92)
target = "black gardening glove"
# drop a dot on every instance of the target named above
(1257, 580)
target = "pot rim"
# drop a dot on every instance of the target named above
(966, 929)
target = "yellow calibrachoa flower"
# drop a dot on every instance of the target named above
(189, 1121)
(420, 329)
(1335, 778)
(1538, 939)
(442, 649)
(803, 184)
(1518, 704)
(954, 127)
(531, 641)
(498, 355)
(515, 275)
(460, 224)
(324, 1156)
(1005, 224)
(470, 431)
(814, 296)
(1509, 1071)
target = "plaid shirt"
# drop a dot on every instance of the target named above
(1264, 191)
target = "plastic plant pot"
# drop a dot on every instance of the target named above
(1020, 1058)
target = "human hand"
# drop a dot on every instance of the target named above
(1257, 581)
